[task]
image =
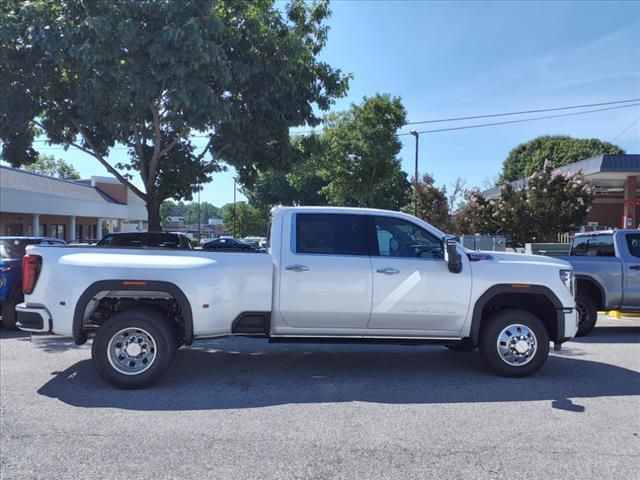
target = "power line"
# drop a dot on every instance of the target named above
(625, 130)
(505, 114)
(479, 125)
(539, 110)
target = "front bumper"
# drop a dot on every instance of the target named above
(569, 318)
(33, 319)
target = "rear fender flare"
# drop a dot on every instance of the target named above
(80, 335)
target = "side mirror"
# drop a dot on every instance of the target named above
(451, 255)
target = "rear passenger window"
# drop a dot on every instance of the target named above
(633, 242)
(331, 234)
(594, 246)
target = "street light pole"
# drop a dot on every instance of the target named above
(415, 177)
(234, 206)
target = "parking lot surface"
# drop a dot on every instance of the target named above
(246, 409)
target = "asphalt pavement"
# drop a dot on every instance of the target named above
(246, 409)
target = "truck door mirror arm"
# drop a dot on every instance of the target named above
(451, 255)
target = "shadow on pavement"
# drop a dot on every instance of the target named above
(613, 334)
(5, 333)
(249, 373)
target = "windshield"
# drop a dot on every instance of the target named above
(13, 248)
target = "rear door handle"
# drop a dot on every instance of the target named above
(635, 267)
(388, 271)
(297, 268)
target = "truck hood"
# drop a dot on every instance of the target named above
(521, 258)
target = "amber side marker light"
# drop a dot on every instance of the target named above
(134, 283)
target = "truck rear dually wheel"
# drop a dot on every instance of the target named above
(134, 348)
(514, 342)
(8, 314)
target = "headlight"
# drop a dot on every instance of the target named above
(567, 278)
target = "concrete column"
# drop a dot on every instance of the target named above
(140, 227)
(35, 225)
(118, 225)
(630, 201)
(71, 235)
(99, 229)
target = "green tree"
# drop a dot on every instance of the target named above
(297, 181)
(560, 150)
(361, 154)
(549, 205)
(53, 167)
(433, 203)
(149, 75)
(249, 220)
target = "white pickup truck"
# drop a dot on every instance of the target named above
(330, 274)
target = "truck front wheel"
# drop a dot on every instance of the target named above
(134, 348)
(8, 314)
(514, 342)
(588, 314)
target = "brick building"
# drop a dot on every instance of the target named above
(74, 210)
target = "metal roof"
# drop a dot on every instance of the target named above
(609, 170)
(22, 191)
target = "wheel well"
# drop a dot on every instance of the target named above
(105, 298)
(592, 290)
(536, 303)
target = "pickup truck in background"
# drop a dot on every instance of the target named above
(607, 270)
(330, 275)
(12, 249)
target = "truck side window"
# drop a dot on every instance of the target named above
(633, 242)
(400, 238)
(331, 234)
(594, 246)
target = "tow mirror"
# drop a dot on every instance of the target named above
(451, 255)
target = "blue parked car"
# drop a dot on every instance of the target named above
(12, 249)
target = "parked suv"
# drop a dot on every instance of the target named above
(12, 249)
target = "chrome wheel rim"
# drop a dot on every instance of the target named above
(583, 314)
(517, 345)
(131, 351)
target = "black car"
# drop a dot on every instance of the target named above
(228, 245)
(177, 241)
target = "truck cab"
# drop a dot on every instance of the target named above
(607, 269)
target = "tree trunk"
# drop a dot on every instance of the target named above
(153, 212)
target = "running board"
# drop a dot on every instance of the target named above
(365, 340)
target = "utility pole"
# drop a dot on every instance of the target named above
(415, 176)
(234, 206)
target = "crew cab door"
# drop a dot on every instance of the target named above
(412, 286)
(631, 266)
(325, 274)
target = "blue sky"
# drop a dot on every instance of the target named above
(456, 59)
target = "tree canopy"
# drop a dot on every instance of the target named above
(353, 161)
(53, 167)
(527, 158)
(549, 205)
(155, 75)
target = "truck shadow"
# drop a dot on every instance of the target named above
(614, 334)
(249, 373)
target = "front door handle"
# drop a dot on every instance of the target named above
(297, 268)
(635, 267)
(388, 271)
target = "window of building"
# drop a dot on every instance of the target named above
(42, 231)
(331, 234)
(58, 230)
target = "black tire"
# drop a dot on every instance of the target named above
(588, 314)
(159, 346)
(490, 335)
(464, 345)
(8, 314)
